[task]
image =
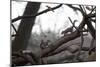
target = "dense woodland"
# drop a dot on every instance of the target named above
(77, 43)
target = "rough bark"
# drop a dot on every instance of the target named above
(24, 31)
(91, 29)
(57, 58)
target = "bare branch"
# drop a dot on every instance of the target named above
(14, 28)
(31, 16)
(14, 35)
(92, 10)
(84, 10)
(93, 20)
(91, 15)
(73, 23)
(91, 28)
(74, 8)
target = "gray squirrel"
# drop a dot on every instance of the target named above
(43, 44)
(68, 30)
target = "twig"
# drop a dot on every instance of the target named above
(14, 28)
(74, 8)
(93, 20)
(73, 24)
(84, 10)
(76, 27)
(14, 35)
(91, 15)
(92, 10)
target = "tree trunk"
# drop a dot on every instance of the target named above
(24, 31)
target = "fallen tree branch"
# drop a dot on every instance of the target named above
(62, 49)
(63, 40)
(59, 42)
(69, 48)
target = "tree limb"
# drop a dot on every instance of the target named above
(91, 28)
(14, 28)
(74, 8)
(62, 49)
(37, 14)
(73, 23)
(93, 20)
